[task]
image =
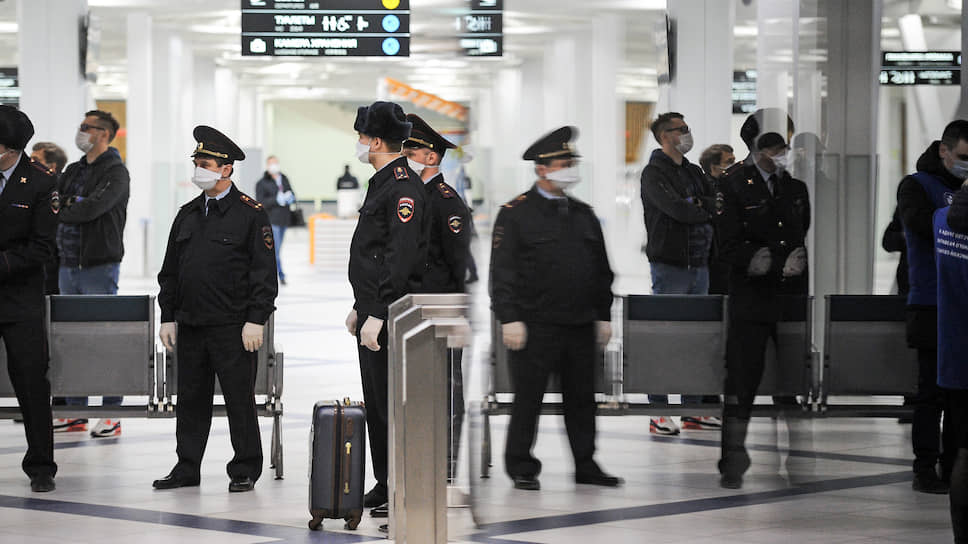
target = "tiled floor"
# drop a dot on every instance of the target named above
(859, 492)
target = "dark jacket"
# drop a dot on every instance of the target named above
(219, 269)
(388, 253)
(893, 241)
(28, 208)
(102, 209)
(548, 263)
(266, 191)
(450, 235)
(750, 218)
(678, 208)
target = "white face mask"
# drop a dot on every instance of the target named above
(685, 143)
(417, 167)
(564, 178)
(781, 162)
(959, 169)
(274, 169)
(83, 141)
(363, 152)
(205, 179)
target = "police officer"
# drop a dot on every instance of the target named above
(448, 250)
(388, 255)
(218, 284)
(28, 208)
(762, 219)
(551, 291)
(918, 196)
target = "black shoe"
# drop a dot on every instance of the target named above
(598, 478)
(527, 483)
(282, 281)
(376, 496)
(241, 484)
(385, 529)
(928, 482)
(730, 482)
(172, 482)
(42, 483)
(381, 511)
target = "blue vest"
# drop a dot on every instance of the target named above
(921, 269)
(952, 256)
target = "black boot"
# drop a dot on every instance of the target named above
(734, 460)
(958, 496)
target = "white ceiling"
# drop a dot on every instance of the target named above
(212, 28)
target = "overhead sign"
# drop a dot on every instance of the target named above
(9, 87)
(920, 68)
(480, 30)
(326, 28)
(744, 91)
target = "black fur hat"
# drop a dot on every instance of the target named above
(15, 128)
(383, 120)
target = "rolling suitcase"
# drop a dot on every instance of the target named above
(336, 467)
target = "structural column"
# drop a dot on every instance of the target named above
(139, 232)
(53, 90)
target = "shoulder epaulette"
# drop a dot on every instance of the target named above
(516, 201)
(41, 167)
(250, 201)
(445, 190)
(400, 173)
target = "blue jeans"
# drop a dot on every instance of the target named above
(91, 280)
(677, 280)
(278, 232)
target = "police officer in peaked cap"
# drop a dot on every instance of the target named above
(28, 221)
(551, 291)
(388, 255)
(218, 287)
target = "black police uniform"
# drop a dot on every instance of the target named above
(388, 254)
(28, 221)
(219, 273)
(750, 217)
(549, 269)
(448, 253)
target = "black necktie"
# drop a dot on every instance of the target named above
(562, 206)
(209, 206)
(771, 184)
(3, 181)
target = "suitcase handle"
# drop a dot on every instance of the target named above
(346, 469)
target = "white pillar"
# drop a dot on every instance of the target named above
(604, 143)
(962, 112)
(203, 81)
(777, 32)
(139, 230)
(53, 91)
(227, 105)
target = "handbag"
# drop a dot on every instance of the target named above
(296, 218)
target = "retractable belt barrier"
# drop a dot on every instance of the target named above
(421, 329)
(105, 345)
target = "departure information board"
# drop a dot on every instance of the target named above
(326, 28)
(480, 31)
(920, 68)
(9, 87)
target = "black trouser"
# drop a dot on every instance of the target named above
(27, 363)
(373, 372)
(745, 361)
(956, 419)
(455, 404)
(931, 444)
(203, 354)
(569, 351)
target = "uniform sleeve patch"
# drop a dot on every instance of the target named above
(267, 237)
(55, 202)
(400, 173)
(405, 209)
(455, 224)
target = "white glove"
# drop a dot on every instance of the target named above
(351, 322)
(290, 198)
(603, 332)
(515, 335)
(796, 263)
(281, 198)
(167, 334)
(252, 336)
(370, 333)
(761, 262)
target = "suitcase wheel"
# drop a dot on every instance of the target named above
(316, 523)
(353, 521)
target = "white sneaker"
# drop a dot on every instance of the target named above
(663, 425)
(706, 423)
(106, 427)
(69, 425)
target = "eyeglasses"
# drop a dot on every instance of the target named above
(86, 127)
(684, 129)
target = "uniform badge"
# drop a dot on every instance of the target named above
(23, 180)
(455, 223)
(404, 207)
(267, 237)
(55, 202)
(949, 198)
(749, 181)
(719, 203)
(498, 237)
(400, 173)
